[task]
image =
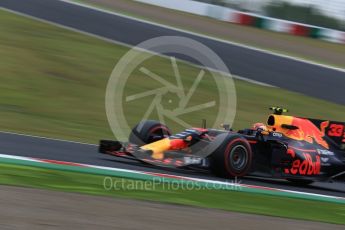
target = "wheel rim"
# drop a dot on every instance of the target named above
(238, 158)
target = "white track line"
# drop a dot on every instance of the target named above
(204, 36)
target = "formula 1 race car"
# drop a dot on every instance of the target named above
(301, 150)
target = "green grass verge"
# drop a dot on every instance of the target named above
(169, 193)
(53, 84)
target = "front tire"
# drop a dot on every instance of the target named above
(232, 158)
(147, 132)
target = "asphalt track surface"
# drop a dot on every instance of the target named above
(27, 208)
(309, 79)
(286, 73)
(20, 145)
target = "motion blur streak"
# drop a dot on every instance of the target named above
(309, 79)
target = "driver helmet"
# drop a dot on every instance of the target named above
(259, 126)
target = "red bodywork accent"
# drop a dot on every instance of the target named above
(308, 132)
(252, 142)
(177, 144)
(200, 130)
(291, 152)
(308, 166)
(118, 154)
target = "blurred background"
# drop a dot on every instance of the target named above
(330, 14)
(56, 60)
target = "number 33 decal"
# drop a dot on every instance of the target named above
(336, 130)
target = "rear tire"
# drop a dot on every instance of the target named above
(147, 132)
(232, 158)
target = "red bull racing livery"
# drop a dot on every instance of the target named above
(301, 150)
